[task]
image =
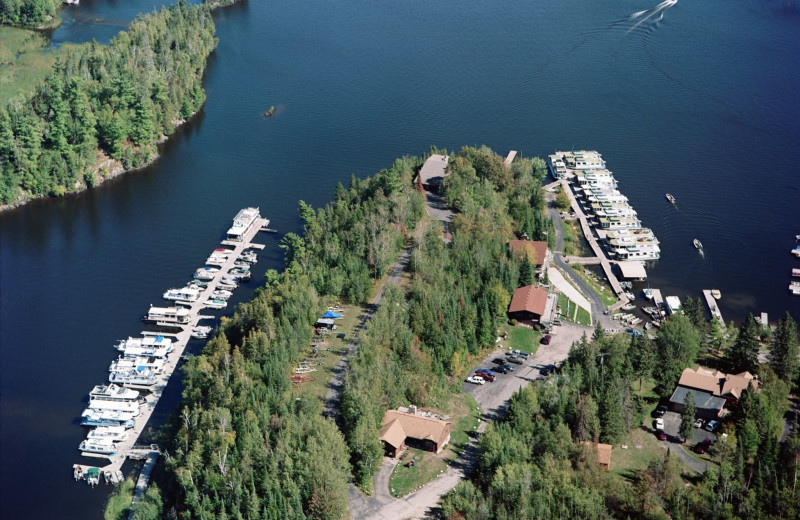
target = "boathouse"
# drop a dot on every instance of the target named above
(712, 390)
(401, 429)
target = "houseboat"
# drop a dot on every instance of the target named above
(144, 377)
(101, 446)
(131, 407)
(91, 417)
(167, 316)
(184, 294)
(113, 393)
(114, 433)
(242, 224)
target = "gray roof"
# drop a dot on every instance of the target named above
(703, 400)
(433, 171)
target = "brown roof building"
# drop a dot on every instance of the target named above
(712, 390)
(536, 251)
(401, 429)
(603, 452)
(528, 304)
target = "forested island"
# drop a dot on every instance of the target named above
(103, 109)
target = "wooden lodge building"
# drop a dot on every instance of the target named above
(712, 390)
(401, 429)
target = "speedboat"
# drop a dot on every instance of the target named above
(221, 294)
(648, 293)
(795, 273)
(796, 251)
(697, 244)
(670, 198)
(201, 332)
(101, 446)
(716, 294)
(206, 273)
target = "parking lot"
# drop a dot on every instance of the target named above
(493, 397)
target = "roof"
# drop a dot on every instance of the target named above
(398, 425)
(325, 321)
(536, 249)
(434, 168)
(603, 452)
(703, 400)
(529, 298)
(632, 269)
(717, 383)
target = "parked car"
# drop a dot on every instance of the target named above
(659, 423)
(487, 370)
(484, 375)
(515, 359)
(520, 353)
(502, 369)
(547, 370)
(546, 339)
(660, 411)
(508, 367)
(499, 361)
(477, 380)
(712, 426)
(702, 446)
(661, 435)
(699, 423)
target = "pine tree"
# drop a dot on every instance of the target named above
(744, 352)
(526, 272)
(687, 416)
(784, 351)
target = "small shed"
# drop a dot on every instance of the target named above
(325, 323)
(603, 453)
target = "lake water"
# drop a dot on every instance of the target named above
(698, 99)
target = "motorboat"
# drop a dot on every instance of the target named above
(206, 273)
(115, 433)
(648, 293)
(123, 364)
(155, 346)
(670, 198)
(221, 294)
(113, 392)
(184, 294)
(215, 303)
(716, 294)
(796, 251)
(628, 307)
(101, 446)
(795, 273)
(201, 332)
(697, 244)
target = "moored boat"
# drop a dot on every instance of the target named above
(648, 293)
(184, 294)
(131, 407)
(201, 332)
(114, 433)
(716, 294)
(215, 303)
(113, 392)
(101, 446)
(242, 223)
(206, 274)
(106, 418)
(796, 251)
(795, 273)
(167, 316)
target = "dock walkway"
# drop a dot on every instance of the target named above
(713, 307)
(129, 448)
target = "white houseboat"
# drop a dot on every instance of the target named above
(167, 316)
(184, 294)
(113, 393)
(242, 223)
(101, 446)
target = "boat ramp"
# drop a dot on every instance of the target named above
(129, 449)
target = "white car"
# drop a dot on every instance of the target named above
(478, 380)
(659, 423)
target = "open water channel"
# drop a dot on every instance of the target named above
(698, 99)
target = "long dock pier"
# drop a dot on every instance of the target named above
(713, 307)
(129, 448)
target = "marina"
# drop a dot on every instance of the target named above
(117, 410)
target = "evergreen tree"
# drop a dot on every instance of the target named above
(641, 357)
(687, 416)
(526, 271)
(783, 356)
(744, 352)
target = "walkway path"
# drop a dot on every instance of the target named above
(557, 279)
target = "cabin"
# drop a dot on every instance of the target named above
(529, 304)
(536, 250)
(713, 390)
(433, 172)
(401, 429)
(602, 452)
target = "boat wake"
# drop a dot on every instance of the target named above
(647, 14)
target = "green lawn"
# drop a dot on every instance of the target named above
(521, 338)
(25, 61)
(405, 480)
(466, 418)
(570, 311)
(642, 447)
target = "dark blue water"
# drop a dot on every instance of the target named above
(701, 103)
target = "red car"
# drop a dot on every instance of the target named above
(546, 340)
(484, 374)
(702, 446)
(661, 435)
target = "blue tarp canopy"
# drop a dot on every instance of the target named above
(331, 314)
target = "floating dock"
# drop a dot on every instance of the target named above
(128, 448)
(713, 307)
